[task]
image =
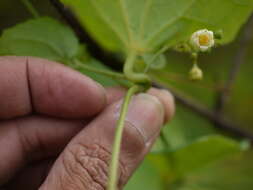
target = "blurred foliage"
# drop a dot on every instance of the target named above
(198, 156)
(230, 174)
(57, 42)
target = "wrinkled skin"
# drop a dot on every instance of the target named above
(57, 127)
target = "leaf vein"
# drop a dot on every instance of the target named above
(171, 22)
(144, 17)
(105, 18)
(126, 21)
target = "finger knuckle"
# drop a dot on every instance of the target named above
(87, 166)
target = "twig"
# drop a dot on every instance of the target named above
(98, 53)
(221, 122)
(238, 60)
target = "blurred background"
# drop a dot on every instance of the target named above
(200, 166)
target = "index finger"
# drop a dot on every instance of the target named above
(37, 85)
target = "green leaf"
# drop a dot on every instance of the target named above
(230, 174)
(199, 153)
(162, 170)
(47, 38)
(43, 37)
(144, 25)
(147, 177)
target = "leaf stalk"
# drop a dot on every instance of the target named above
(115, 75)
(113, 174)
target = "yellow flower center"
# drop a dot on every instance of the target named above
(204, 40)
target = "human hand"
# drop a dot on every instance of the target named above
(57, 127)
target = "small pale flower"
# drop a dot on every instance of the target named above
(195, 73)
(202, 40)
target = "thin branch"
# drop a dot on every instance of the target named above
(238, 60)
(221, 122)
(98, 53)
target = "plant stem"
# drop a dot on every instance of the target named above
(31, 8)
(112, 183)
(78, 65)
(129, 70)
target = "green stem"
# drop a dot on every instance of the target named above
(112, 183)
(31, 8)
(78, 65)
(129, 71)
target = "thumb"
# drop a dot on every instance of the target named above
(84, 164)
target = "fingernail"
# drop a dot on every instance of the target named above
(146, 114)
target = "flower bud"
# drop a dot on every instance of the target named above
(202, 40)
(195, 73)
